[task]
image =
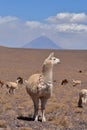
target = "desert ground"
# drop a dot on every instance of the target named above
(62, 110)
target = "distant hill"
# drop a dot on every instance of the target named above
(42, 42)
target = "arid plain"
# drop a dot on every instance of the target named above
(62, 110)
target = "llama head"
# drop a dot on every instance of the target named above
(49, 62)
(51, 59)
(19, 80)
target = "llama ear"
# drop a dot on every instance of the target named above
(25, 82)
(51, 55)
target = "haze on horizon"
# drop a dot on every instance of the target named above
(62, 21)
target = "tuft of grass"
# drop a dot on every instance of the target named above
(52, 107)
(7, 106)
(3, 124)
(61, 122)
(64, 121)
(84, 118)
(25, 128)
(79, 110)
(11, 113)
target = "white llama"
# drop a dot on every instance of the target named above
(76, 82)
(39, 86)
(82, 97)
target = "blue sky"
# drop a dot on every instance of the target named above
(63, 21)
(40, 9)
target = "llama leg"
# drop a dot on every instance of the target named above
(9, 91)
(13, 91)
(84, 99)
(80, 101)
(36, 107)
(43, 103)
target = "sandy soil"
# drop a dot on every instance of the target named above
(62, 112)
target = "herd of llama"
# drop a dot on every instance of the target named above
(39, 86)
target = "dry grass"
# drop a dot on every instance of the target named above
(60, 102)
(61, 110)
(3, 124)
(25, 128)
(62, 121)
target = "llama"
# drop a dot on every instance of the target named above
(12, 86)
(39, 86)
(82, 97)
(2, 83)
(75, 82)
(65, 81)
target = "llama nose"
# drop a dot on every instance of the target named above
(58, 61)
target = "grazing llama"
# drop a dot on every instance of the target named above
(2, 83)
(76, 82)
(39, 86)
(65, 81)
(82, 97)
(12, 86)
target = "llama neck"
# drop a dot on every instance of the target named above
(47, 73)
(17, 82)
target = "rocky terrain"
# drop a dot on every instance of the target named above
(62, 110)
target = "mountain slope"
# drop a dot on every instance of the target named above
(42, 42)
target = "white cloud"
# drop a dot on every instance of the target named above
(7, 19)
(79, 18)
(71, 27)
(36, 24)
(68, 30)
(68, 18)
(33, 24)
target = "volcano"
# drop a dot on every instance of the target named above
(42, 42)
